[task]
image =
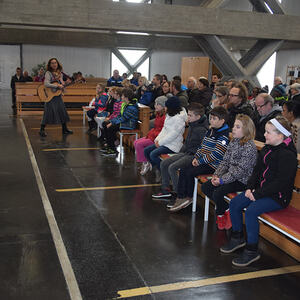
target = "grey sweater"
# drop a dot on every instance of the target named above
(238, 162)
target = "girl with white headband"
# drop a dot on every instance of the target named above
(269, 188)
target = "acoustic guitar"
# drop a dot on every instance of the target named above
(46, 94)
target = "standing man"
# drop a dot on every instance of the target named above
(18, 77)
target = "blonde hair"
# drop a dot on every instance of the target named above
(126, 83)
(144, 80)
(284, 122)
(248, 128)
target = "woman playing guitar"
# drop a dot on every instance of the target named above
(55, 111)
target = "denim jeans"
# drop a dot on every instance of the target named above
(254, 209)
(152, 154)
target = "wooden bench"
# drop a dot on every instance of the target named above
(26, 93)
(282, 227)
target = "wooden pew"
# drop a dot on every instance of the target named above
(81, 93)
(279, 227)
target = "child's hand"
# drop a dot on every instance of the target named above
(156, 144)
(108, 125)
(195, 162)
(249, 195)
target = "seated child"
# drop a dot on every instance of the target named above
(148, 140)
(170, 138)
(98, 105)
(112, 108)
(206, 160)
(234, 170)
(198, 126)
(269, 188)
(127, 119)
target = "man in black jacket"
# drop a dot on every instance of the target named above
(18, 77)
(265, 111)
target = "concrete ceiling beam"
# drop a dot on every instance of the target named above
(154, 18)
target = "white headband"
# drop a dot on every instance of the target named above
(280, 127)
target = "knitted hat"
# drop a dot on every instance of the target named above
(280, 89)
(161, 100)
(173, 102)
(295, 86)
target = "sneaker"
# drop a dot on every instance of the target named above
(110, 152)
(228, 224)
(180, 204)
(145, 168)
(42, 133)
(103, 150)
(162, 194)
(246, 258)
(233, 244)
(221, 222)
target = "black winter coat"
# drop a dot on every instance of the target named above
(274, 173)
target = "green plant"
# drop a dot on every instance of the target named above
(35, 70)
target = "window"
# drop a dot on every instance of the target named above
(131, 56)
(267, 73)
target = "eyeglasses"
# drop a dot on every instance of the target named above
(233, 95)
(260, 106)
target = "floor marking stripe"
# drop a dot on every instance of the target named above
(107, 187)
(58, 241)
(206, 282)
(69, 149)
(55, 127)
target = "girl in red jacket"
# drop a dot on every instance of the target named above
(148, 140)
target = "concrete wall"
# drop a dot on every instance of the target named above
(286, 58)
(9, 61)
(87, 60)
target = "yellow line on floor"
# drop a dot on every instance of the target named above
(206, 282)
(107, 187)
(47, 128)
(69, 149)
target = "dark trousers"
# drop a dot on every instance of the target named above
(91, 113)
(152, 154)
(254, 209)
(217, 193)
(186, 180)
(110, 134)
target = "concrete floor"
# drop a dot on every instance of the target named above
(116, 239)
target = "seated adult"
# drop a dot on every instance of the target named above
(179, 93)
(183, 87)
(238, 103)
(266, 109)
(135, 78)
(206, 93)
(295, 92)
(278, 92)
(26, 77)
(156, 88)
(143, 82)
(115, 80)
(291, 111)
(166, 86)
(215, 78)
(41, 76)
(221, 99)
(192, 90)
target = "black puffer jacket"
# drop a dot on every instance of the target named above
(196, 132)
(274, 173)
(243, 108)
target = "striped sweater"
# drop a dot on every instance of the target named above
(213, 146)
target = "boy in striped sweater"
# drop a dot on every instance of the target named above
(207, 158)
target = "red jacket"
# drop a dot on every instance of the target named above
(158, 125)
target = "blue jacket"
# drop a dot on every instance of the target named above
(127, 118)
(146, 98)
(213, 147)
(100, 102)
(114, 82)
